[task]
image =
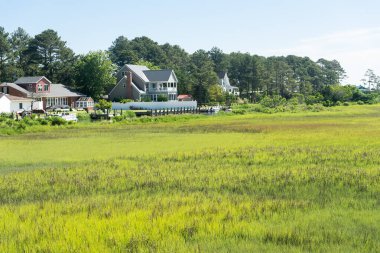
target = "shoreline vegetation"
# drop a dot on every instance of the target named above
(37, 123)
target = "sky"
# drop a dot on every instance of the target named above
(345, 30)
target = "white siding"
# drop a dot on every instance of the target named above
(172, 79)
(5, 105)
(15, 106)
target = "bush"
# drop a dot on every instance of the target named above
(146, 99)
(43, 122)
(360, 102)
(162, 98)
(126, 115)
(313, 99)
(83, 117)
(328, 103)
(238, 111)
(272, 102)
(126, 100)
(57, 121)
(346, 104)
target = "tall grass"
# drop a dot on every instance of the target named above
(259, 183)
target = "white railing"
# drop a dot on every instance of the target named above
(155, 105)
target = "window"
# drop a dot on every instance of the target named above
(46, 87)
(124, 73)
(5, 90)
(153, 85)
(20, 106)
(39, 87)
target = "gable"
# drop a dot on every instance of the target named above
(166, 75)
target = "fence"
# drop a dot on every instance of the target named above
(169, 105)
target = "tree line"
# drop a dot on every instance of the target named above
(47, 54)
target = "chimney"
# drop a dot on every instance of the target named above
(129, 85)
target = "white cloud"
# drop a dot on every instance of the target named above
(356, 50)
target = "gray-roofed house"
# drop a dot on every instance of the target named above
(138, 82)
(42, 91)
(224, 82)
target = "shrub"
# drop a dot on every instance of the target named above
(346, 104)
(126, 115)
(328, 103)
(360, 102)
(162, 98)
(83, 117)
(57, 121)
(146, 99)
(103, 105)
(43, 122)
(272, 102)
(313, 99)
(238, 111)
(29, 121)
(126, 100)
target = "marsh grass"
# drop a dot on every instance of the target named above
(264, 183)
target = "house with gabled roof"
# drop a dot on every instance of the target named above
(224, 82)
(138, 82)
(42, 91)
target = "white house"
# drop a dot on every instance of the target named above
(9, 103)
(224, 82)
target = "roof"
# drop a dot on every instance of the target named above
(14, 98)
(59, 90)
(221, 74)
(30, 79)
(158, 75)
(16, 87)
(182, 96)
(84, 99)
(138, 70)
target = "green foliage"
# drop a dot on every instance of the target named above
(202, 76)
(272, 102)
(124, 100)
(148, 64)
(57, 121)
(94, 74)
(103, 105)
(216, 94)
(146, 99)
(162, 98)
(313, 99)
(127, 115)
(83, 117)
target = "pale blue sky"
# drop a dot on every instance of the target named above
(346, 30)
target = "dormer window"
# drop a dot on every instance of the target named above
(46, 87)
(39, 87)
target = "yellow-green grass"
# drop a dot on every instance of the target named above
(303, 182)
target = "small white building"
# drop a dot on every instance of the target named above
(10, 104)
(85, 103)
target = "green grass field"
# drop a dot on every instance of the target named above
(286, 182)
